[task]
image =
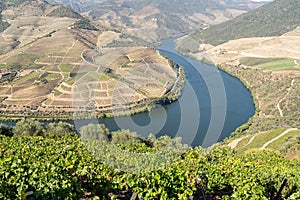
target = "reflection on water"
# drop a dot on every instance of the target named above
(197, 114)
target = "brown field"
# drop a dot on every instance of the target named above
(276, 85)
(285, 46)
(70, 67)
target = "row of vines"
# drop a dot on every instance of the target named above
(55, 162)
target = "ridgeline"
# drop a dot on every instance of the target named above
(272, 19)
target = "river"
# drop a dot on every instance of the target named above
(213, 104)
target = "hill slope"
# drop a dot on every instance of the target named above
(49, 54)
(3, 25)
(68, 167)
(261, 48)
(272, 19)
(153, 20)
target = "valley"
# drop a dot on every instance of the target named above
(151, 21)
(146, 99)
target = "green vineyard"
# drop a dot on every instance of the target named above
(52, 166)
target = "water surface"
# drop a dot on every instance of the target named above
(213, 104)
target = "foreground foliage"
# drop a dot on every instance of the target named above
(61, 167)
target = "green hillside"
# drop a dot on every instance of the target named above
(64, 12)
(52, 163)
(12, 2)
(283, 140)
(272, 19)
(3, 25)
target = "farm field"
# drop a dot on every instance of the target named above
(277, 139)
(61, 67)
(274, 64)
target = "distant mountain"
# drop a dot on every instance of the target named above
(34, 29)
(40, 8)
(273, 19)
(154, 19)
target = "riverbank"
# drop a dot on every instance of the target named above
(80, 113)
(275, 99)
(268, 88)
(208, 94)
(226, 68)
(274, 91)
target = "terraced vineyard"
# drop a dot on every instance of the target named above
(282, 140)
(58, 164)
(114, 79)
(62, 68)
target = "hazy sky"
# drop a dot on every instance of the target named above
(262, 0)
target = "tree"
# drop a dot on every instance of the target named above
(126, 137)
(60, 129)
(95, 132)
(5, 130)
(28, 127)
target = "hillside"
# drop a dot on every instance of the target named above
(3, 25)
(272, 19)
(268, 66)
(283, 140)
(153, 20)
(52, 162)
(50, 54)
(55, 62)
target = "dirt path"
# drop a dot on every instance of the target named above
(251, 140)
(234, 143)
(278, 107)
(278, 104)
(279, 136)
